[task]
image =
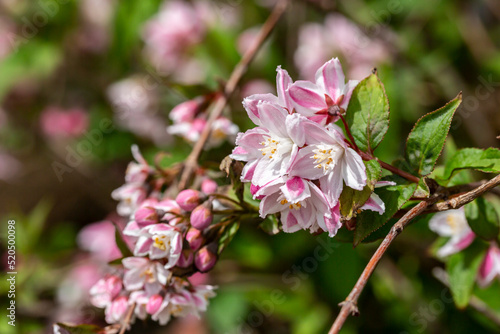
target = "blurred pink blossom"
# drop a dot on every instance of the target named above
(256, 86)
(135, 103)
(170, 34)
(319, 42)
(99, 239)
(490, 268)
(63, 123)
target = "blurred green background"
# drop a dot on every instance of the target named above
(69, 57)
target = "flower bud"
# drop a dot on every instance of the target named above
(146, 216)
(208, 186)
(114, 286)
(185, 112)
(186, 258)
(194, 238)
(117, 310)
(154, 304)
(202, 216)
(188, 199)
(204, 259)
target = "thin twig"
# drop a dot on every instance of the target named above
(349, 134)
(398, 171)
(126, 321)
(234, 79)
(349, 305)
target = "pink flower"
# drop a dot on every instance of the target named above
(142, 273)
(490, 268)
(134, 191)
(328, 159)
(60, 123)
(301, 203)
(325, 100)
(283, 83)
(160, 241)
(181, 301)
(452, 224)
(105, 290)
(269, 148)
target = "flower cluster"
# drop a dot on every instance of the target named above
(189, 121)
(298, 160)
(453, 224)
(170, 241)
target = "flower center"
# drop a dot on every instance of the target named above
(270, 147)
(159, 243)
(326, 157)
(295, 206)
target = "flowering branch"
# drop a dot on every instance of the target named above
(349, 305)
(236, 75)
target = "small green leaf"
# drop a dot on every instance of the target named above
(121, 244)
(368, 113)
(482, 219)
(351, 200)
(80, 329)
(426, 140)
(373, 172)
(422, 189)
(227, 234)
(473, 158)
(462, 269)
(270, 225)
(393, 197)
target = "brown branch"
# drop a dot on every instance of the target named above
(126, 321)
(240, 69)
(349, 305)
(398, 171)
(461, 200)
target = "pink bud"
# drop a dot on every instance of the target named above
(186, 258)
(202, 216)
(146, 216)
(114, 285)
(204, 259)
(154, 304)
(188, 199)
(208, 186)
(185, 112)
(194, 238)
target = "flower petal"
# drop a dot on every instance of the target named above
(330, 77)
(307, 97)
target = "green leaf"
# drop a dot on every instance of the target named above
(426, 140)
(80, 329)
(270, 225)
(351, 200)
(473, 158)
(368, 113)
(462, 269)
(422, 189)
(121, 244)
(227, 234)
(394, 197)
(482, 219)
